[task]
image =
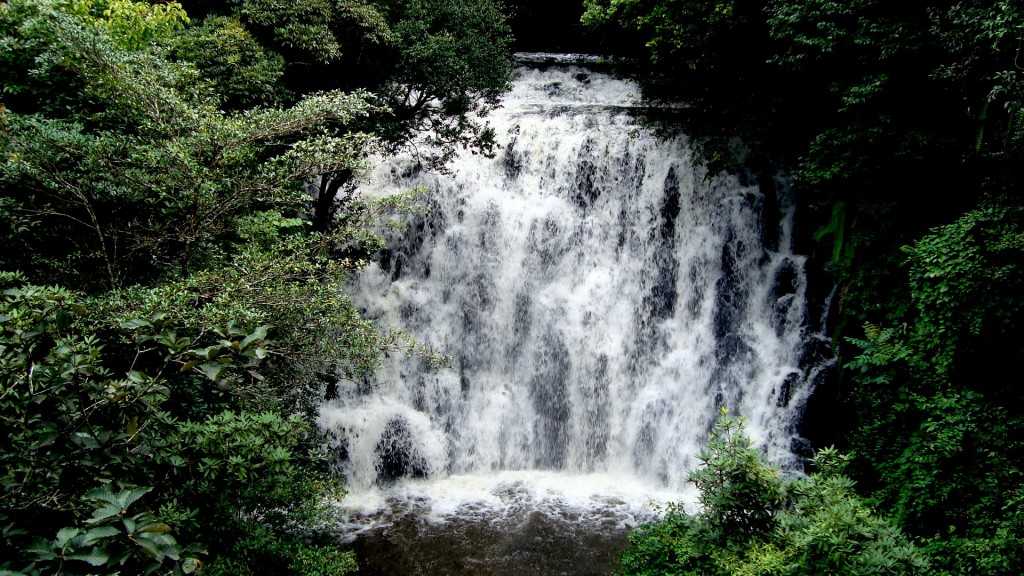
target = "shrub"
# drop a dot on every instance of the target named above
(754, 523)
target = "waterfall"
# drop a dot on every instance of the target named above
(598, 295)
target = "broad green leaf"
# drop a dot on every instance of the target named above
(156, 527)
(64, 535)
(103, 494)
(42, 550)
(104, 512)
(211, 370)
(129, 497)
(135, 324)
(94, 557)
(151, 548)
(258, 334)
(94, 535)
(208, 353)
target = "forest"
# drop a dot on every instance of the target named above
(181, 222)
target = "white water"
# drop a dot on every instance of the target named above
(599, 299)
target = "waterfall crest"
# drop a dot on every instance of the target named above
(599, 297)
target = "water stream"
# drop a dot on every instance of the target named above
(600, 298)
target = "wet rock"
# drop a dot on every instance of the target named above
(695, 295)
(410, 169)
(408, 311)
(670, 205)
(643, 448)
(596, 439)
(786, 389)
(553, 89)
(731, 349)
(545, 246)
(585, 186)
(513, 159)
(801, 447)
(821, 414)
(548, 389)
(780, 313)
(785, 281)
(586, 190)
(662, 300)
(816, 350)
(340, 453)
(770, 216)
(730, 294)
(397, 456)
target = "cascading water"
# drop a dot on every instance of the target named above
(599, 299)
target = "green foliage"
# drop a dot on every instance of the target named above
(438, 64)
(112, 538)
(942, 426)
(131, 24)
(901, 125)
(673, 545)
(156, 181)
(739, 494)
(134, 409)
(267, 552)
(155, 418)
(232, 450)
(753, 523)
(241, 71)
(869, 103)
(964, 281)
(453, 62)
(835, 532)
(316, 28)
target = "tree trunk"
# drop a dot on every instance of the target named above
(325, 205)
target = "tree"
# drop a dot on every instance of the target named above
(437, 67)
(150, 413)
(145, 176)
(739, 494)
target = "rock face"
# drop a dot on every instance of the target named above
(397, 456)
(792, 380)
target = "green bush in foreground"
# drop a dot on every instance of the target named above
(755, 523)
(129, 451)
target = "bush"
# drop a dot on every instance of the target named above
(753, 523)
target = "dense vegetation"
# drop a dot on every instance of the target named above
(902, 124)
(177, 222)
(178, 217)
(752, 522)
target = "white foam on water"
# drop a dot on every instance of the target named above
(601, 501)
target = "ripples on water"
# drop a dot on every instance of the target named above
(509, 523)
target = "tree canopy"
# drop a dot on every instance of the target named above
(172, 302)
